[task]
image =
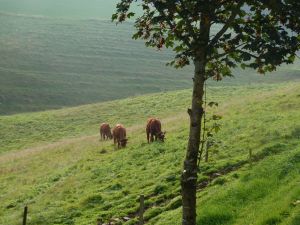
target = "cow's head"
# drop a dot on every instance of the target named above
(161, 136)
(123, 142)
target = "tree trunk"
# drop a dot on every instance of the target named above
(189, 174)
(190, 169)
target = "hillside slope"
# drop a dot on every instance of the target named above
(31, 129)
(101, 9)
(49, 62)
(76, 181)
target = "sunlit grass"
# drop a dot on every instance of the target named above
(76, 181)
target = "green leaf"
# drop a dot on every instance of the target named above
(131, 14)
(114, 17)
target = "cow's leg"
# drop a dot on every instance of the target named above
(148, 137)
(152, 138)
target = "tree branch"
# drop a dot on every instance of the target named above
(173, 27)
(188, 23)
(226, 26)
(248, 53)
(228, 52)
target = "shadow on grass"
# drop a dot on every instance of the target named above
(215, 218)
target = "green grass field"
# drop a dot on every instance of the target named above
(54, 162)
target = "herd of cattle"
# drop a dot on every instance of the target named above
(153, 131)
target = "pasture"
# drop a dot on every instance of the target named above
(54, 162)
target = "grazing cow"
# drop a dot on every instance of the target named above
(105, 131)
(119, 134)
(153, 129)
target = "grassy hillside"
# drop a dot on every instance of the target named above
(76, 181)
(31, 129)
(50, 61)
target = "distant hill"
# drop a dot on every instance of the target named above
(50, 63)
(50, 59)
(101, 9)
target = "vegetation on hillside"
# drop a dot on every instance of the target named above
(76, 181)
(31, 129)
(50, 63)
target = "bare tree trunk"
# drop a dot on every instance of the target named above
(190, 168)
(189, 174)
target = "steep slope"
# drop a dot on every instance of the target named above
(76, 181)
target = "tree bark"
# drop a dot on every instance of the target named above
(190, 168)
(189, 174)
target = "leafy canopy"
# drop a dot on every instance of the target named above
(255, 34)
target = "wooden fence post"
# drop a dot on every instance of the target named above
(142, 208)
(25, 215)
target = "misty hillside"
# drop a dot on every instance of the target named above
(50, 63)
(100, 9)
(56, 58)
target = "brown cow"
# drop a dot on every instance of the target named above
(105, 131)
(119, 134)
(153, 129)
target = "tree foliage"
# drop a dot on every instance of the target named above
(256, 34)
